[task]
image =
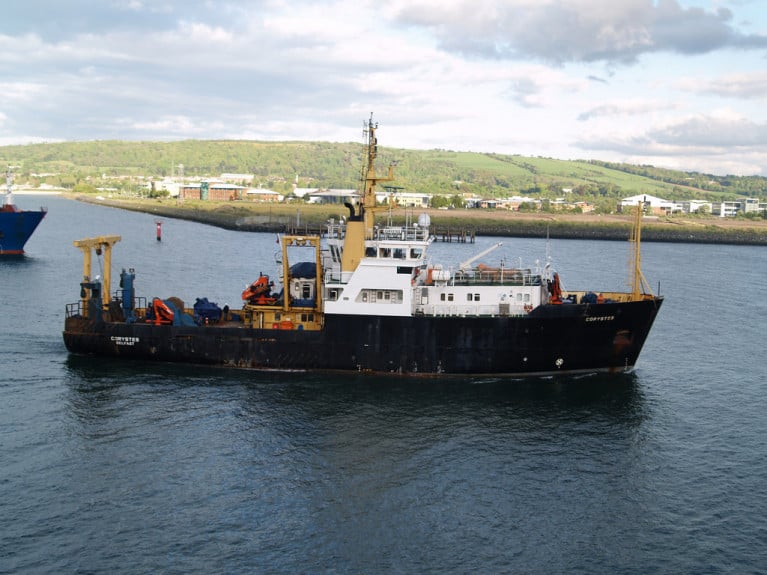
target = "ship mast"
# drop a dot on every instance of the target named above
(639, 285)
(369, 178)
(359, 226)
(8, 201)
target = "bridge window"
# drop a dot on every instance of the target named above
(380, 296)
(336, 253)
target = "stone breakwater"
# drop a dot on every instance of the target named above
(502, 224)
(650, 232)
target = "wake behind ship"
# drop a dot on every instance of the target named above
(368, 299)
(16, 226)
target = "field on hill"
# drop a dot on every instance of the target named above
(126, 166)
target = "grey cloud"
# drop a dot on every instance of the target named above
(712, 132)
(693, 30)
(699, 136)
(580, 30)
(745, 86)
(599, 111)
(57, 20)
(138, 85)
(525, 92)
(624, 108)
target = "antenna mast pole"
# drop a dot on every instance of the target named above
(8, 188)
(369, 177)
(639, 284)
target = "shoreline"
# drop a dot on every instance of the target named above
(36, 192)
(251, 217)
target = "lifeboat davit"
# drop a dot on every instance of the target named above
(260, 291)
(162, 312)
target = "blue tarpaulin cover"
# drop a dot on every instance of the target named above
(204, 309)
(303, 270)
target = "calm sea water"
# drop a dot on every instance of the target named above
(122, 467)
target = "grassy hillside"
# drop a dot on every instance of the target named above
(276, 165)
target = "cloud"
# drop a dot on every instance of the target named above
(722, 142)
(745, 85)
(711, 132)
(562, 31)
(19, 91)
(526, 92)
(625, 108)
(538, 77)
(57, 21)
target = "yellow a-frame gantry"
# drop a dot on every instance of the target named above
(100, 245)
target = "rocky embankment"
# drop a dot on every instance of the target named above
(651, 232)
(264, 218)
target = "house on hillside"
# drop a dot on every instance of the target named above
(301, 192)
(753, 206)
(262, 195)
(480, 203)
(210, 190)
(514, 202)
(404, 199)
(653, 204)
(332, 196)
(695, 206)
(732, 208)
(165, 185)
(242, 178)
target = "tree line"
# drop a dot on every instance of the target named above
(281, 165)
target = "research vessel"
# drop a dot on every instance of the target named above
(364, 296)
(16, 225)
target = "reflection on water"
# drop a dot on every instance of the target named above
(340, 461)
(616, 398)
(10, 262)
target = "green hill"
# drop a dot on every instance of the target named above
(277, 165)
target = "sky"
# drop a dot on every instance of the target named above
(672, 83)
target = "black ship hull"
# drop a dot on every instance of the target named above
(566, 338)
